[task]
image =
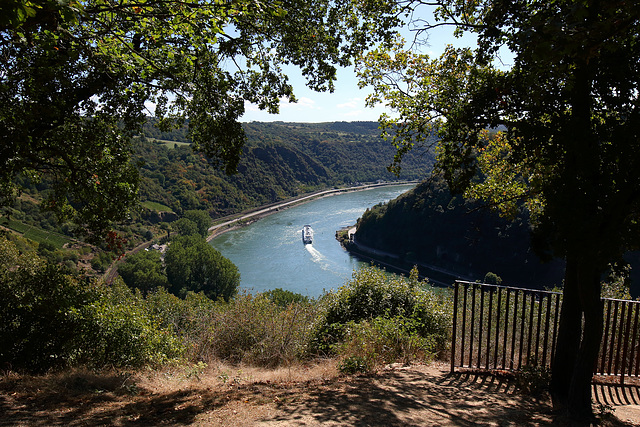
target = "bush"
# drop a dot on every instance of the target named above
(382, 319)
(383, 340)
(118, 330)
(188, 318)
(284, 297)
(39, 307)
(52, 318)
(256, 330)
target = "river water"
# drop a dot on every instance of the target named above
(270, 254)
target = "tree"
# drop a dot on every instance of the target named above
(143, 270)
(185, 227)
(569, 109)
(201, 219)
(77, 77)
(194, 265)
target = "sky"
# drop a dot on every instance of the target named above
(347, 102)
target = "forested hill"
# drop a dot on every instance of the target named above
(428, 225)
(280, 160)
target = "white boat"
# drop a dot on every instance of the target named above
(307, 234)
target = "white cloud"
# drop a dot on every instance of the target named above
(303, 103)
(351, 103)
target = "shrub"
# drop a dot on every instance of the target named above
(51, 318)
(118, 330)
(283, 297)
(258, 331)
(188, 319)
(383, 340)
(382, 318)
(39, 308)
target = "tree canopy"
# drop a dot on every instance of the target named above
(77, 78)
(194, 265)
(143, 270)
(568, 112)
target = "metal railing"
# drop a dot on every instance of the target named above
(620, 341)
(500, 327)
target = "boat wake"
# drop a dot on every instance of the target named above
(317, 256)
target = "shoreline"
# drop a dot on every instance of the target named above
(236, 221)
(395, 262)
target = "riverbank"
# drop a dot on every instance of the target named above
(245, 218)
(395, 263)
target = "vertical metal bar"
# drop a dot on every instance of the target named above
(635, 334)
(633, 341)
(522, 324)
(555, 327)
(627, 336)
(464, 323)
(480, 325)
(540, 303)
(530, 335)
(614, 324)
(489, 315)
(623, 313)
(455, 325)
(605, 338)
(545, 343)
(506, 330)
(498, 312)
(471, 324)
(515, 322)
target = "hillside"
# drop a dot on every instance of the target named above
(428, 225)
(280, 160)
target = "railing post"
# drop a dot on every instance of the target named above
(455, 324)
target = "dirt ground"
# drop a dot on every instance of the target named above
(423, 395)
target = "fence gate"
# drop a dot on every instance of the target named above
(500, 327)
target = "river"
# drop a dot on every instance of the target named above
(270, 254)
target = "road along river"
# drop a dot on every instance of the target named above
(270, 254)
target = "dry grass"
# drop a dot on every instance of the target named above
(313, 394)
(220, 376)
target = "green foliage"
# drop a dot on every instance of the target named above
(53, 318)
(194, 265)
(353, 365)
(76, 77)
(280, 160)
(452, 233)
(616, 285)
(39, 307)
(118, 331)
(37, 234)
(372, 343)
(158, 207)
(284, 297)
(185, 227)
(101, 261)
(567, 146)
(143, 270)
(533, 380)
(201, 219)
(376, 310)
(492, 279)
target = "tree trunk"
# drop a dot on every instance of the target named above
(578, 343)
(580, 408)
(568, 341)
